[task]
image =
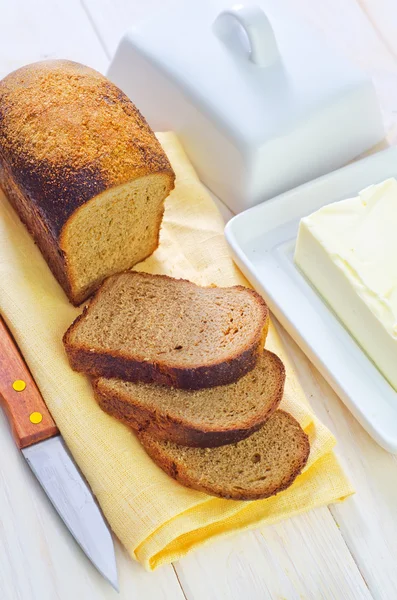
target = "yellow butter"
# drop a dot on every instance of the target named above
(348, 251)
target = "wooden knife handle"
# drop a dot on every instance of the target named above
(27, 413)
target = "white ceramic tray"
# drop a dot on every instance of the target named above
(263, 239)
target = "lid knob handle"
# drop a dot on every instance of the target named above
(258, 29)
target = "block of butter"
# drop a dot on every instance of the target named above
(348, 251)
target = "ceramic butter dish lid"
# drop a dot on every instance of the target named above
(258, 100)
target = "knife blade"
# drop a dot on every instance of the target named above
(38, 437)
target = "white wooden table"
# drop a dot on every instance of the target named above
(346, 551)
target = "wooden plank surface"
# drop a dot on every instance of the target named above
(304, 557)
(348, 552)
(368, 521)
(43, 29)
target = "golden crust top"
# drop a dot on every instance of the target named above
(67, 133)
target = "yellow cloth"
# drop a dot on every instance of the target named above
(155, 518)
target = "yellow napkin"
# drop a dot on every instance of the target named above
(155, 518)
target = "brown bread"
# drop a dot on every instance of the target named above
(153, 328)
(203, 418)
(84, 171)
(257, 467)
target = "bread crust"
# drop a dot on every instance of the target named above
(68, 134)
(158, 424)
(52, 253)
(107, 364)
(181, 475)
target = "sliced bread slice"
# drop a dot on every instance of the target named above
(203, 418)
(153, 328)
(260, 466)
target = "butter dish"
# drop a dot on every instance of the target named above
(258, 100)
(263, 241)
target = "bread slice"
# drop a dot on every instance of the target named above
(260, 466)
(84, 171)
(203, 418)
(153, 328)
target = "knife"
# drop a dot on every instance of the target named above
(38, 437)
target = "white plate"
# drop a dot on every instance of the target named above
(263, 239)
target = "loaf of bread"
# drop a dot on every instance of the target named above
(83, 170)
(157, 329)
(259, 466)
(202, 418)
